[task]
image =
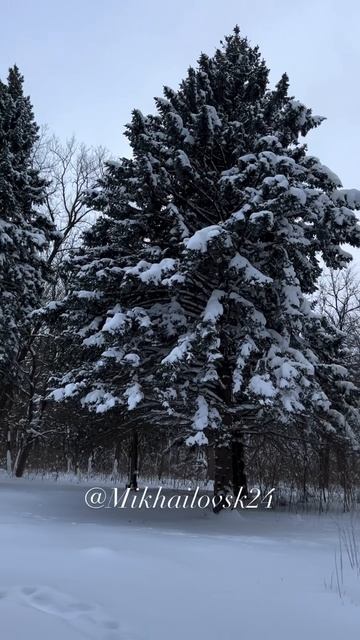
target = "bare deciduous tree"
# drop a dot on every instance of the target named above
(71, 169)
(339, 298)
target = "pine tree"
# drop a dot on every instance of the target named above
(188, 303)
(24, 231)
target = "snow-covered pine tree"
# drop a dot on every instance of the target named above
(188, 301)
(24, 231)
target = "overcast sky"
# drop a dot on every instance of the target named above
(88, 63)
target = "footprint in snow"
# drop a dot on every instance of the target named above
(89, 619)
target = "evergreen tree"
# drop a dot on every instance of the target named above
(24, 231)
(188, 300)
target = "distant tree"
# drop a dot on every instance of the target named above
(187, 306)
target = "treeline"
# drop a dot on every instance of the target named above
(188, 311)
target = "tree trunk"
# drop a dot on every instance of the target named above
(116, 463)
(90, 464)
(229, 461)
(229, 470)
(34, 413)
(134, 455)
(8, 453)
(324, 472)
(21, 459)
(223, 469)
(344, 476)
(238, 466)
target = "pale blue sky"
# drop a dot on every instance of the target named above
(88, 63)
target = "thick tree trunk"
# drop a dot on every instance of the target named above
(230, 474)
(21, 459)
(238, 466)
(134, 456)
(229, 452)
(223, 469)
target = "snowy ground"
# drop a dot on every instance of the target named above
(67, 571)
